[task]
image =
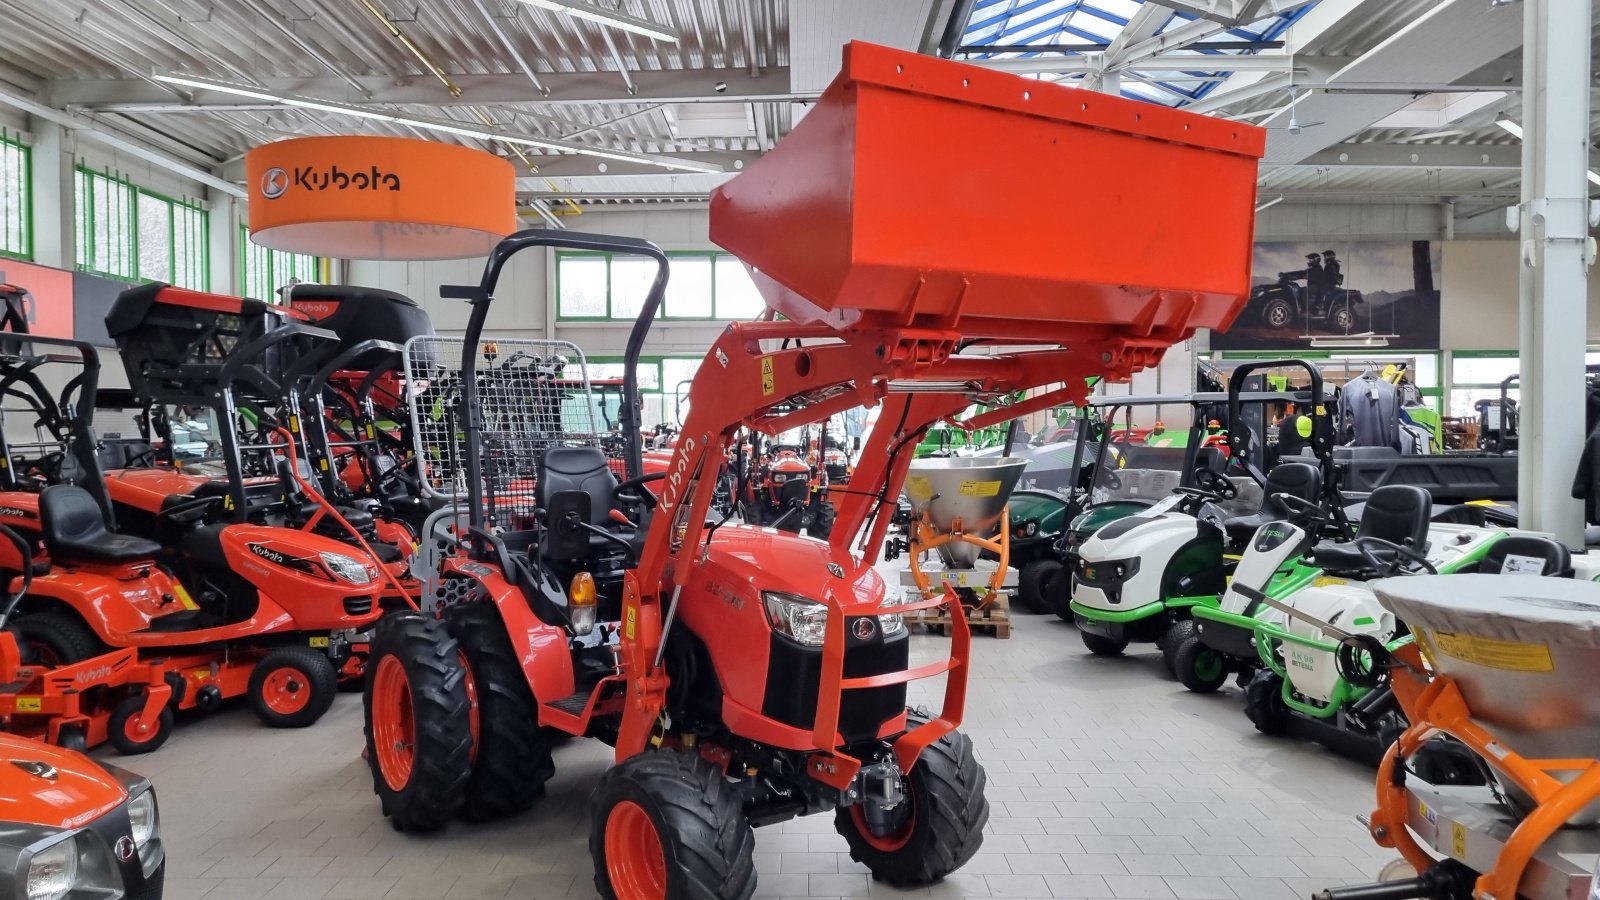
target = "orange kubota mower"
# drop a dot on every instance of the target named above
(748, 675)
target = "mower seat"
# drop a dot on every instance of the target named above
(1398, 513)
(74, 530)
(1521, 553)
(1294, 478)
(583, 469)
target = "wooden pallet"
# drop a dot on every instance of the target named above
(995, 617)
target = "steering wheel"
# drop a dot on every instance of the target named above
(1198, 493)
(1300, 507)
(1392, 567)
(620, 493)
(1216, 483)
(47, 466)
(144, 459)
(1111, 480)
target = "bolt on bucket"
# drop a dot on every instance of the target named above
(973, 490)
(926, 192)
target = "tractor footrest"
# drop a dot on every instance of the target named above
(573, 705)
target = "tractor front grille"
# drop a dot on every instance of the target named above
(358, 605)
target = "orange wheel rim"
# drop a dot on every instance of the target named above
(888, 843)
(635, 863)
(394, 731)
(135, 729)
(472, 705)
(286, 690)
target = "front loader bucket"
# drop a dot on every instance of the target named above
(925, 192)
(974, 490)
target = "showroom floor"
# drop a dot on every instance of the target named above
(1106, 780)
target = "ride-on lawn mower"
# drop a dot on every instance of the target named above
(747, 675)
(1137, 579)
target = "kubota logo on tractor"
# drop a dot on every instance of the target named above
(269, 554)
(675, 477)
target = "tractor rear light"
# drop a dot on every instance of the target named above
(802, 621)
(53, 871)
(581, 599)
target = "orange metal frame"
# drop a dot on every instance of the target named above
(1435, 704)
(924, 538)
(40, 701)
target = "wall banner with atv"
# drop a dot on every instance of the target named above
(1387, 290)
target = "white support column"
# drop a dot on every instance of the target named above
(54, 204)
(1555, 258)
(1111, 82)
(224, 238)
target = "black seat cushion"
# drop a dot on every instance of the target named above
(1397, 513)
(74, 530)
(1297, 479)
(577, 469)
(1522, 550)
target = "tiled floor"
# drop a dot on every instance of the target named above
(1106, 780)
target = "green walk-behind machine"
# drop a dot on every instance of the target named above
(1139, 578)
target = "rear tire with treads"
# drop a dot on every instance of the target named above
(419, 737)
(512, 760)
(1032, 581)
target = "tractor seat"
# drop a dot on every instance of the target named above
(583, 469)
(1294, 478)
(1526, 554)
(1397, 513)
(74, 530)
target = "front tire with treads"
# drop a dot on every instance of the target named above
(943, 826)
(667, 824)
(419, 737)
(512, 760)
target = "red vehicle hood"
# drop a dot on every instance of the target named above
(79, 793)
(768, 559)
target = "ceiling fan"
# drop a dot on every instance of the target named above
(1294, 126)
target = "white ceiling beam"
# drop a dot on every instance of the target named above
(1441, 45)
(97, 132)
(1318, 20)
(1417, 156)
(673, 86)
(1171, 62)
(1144, 25)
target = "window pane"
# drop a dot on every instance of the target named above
(737, 297)
(81, 190)
(677, 373)
(15, 205)
(1464, 401)
(191, 241)
(111, 234)
(689, 288)
(1483, 370)
(630, 284)
(155, 238)
(583, 286)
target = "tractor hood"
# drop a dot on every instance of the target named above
(773, 560)
(52, 787)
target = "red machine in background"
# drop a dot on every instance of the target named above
(745, 675)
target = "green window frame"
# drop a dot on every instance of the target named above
(706, 286)
(264, 271)
(16, 197)
(127, 232)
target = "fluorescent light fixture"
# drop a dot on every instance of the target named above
(1348, 341)
(608, 18)
(444, 126)
(1515, 130)
(1273, 202)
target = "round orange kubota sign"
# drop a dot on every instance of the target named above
(379, 198)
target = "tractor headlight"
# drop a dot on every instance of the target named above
(144, 821)
(53, 871)
(802, 621)
(892, 624)
(347, 567)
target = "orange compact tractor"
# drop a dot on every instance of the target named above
(748, 675)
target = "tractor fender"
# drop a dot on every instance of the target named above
(111, 608)
(542, 648)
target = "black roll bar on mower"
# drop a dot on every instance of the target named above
(1240, 435)
(76, 404)
(310, 402)
(241, 368)
(481, 295)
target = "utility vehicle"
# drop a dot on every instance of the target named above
(747, 675)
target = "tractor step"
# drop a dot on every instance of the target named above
(994, 616)
(572, 705)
